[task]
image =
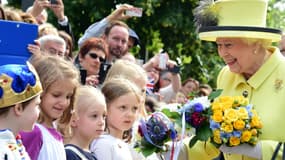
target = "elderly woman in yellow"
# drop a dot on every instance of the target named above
(253, 67)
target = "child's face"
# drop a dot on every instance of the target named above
(30, 114)
(122, 113)
(56, 99)
(91, 121)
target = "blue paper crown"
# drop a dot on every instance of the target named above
(18, 83)
(14, 40)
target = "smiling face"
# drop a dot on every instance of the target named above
(118, 41)
(122, 113)
(56, 100)
(239, 55)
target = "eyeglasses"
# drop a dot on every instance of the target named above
(95, 56)
(167, 79)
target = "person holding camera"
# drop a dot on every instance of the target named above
(165, 75)
(38, 10)
(98, 28)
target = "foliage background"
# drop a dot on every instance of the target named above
(166, 24)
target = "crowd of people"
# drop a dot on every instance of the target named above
(87, 105)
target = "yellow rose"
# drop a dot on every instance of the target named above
(217, 116)
(227, 105)
(255, 122)
(227, 99)
(234, 141)
(242, 113)
(245, 136)
(241, 101)
(254, 132)
(227, 127)
(239, 124)
(231, 115)
(217, 137)
(216, 106)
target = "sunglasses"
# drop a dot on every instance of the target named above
(95, 56)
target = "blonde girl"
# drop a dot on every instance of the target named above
(87, 122)
(132, 72)
(59, 79)
(123, 108)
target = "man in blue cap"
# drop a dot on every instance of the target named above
(98, 28)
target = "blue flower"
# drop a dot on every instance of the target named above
(157, 131)
(198, 107)
(214, 125)
(237, 134)
(225, 135)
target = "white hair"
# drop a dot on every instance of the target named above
(49, 37)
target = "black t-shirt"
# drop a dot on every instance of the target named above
(70, 155)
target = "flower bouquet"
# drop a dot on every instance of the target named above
(195, 115)
(234, 121)
(155, 132)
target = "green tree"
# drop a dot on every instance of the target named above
(165, 24)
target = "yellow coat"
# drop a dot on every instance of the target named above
(201, 150)
(266, 91)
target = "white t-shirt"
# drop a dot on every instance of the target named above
(167, 93)
(108, 147)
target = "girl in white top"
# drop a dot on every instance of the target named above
(123, 108)
(59, 79)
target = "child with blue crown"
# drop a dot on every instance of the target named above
(20, 88)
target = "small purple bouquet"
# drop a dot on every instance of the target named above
(155, 131)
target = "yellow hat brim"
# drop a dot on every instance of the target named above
(213, 35)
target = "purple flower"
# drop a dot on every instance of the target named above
(198, 107)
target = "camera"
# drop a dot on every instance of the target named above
(53, 2)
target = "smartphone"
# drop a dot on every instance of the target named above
(104, 68)
(83, 75)
(53, 2)
(162, 60)
(134, 12)
(174, 69)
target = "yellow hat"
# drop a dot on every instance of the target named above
(18, 83)
(234, 18)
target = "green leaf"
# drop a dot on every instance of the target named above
(193, 141)
(169, 114)
(215, 94)
(148, 151)
(204, 133)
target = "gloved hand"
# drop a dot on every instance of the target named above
(244, 149)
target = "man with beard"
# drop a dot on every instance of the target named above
(116, 36)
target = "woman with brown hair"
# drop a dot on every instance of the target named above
(91, 55)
